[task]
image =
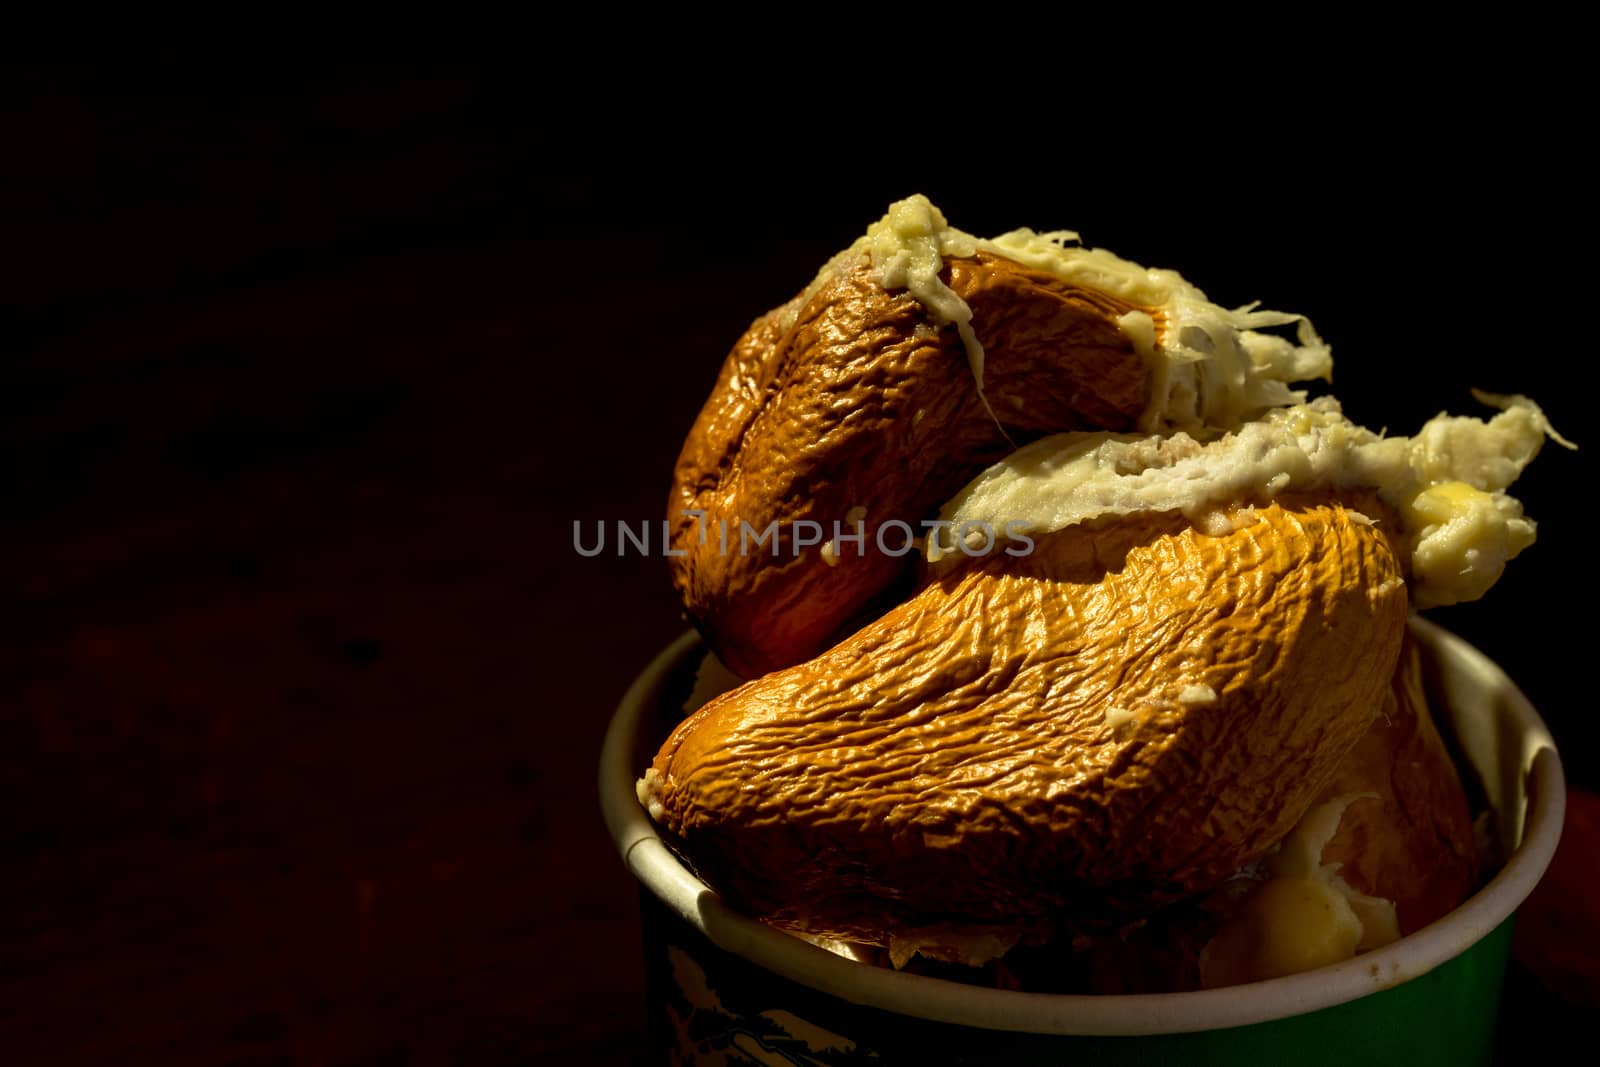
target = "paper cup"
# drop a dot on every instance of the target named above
(725, 988)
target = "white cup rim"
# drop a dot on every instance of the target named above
(1113, 1015)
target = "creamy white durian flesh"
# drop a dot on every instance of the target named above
(1210, 368)
(1447, 484)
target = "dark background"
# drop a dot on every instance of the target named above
(301, 682)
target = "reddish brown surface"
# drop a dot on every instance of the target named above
(307, 744)
(301, 684)
(1558, 932)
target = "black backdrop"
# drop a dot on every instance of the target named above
(1436, 244)
(305, 389)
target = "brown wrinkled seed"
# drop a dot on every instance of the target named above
(863, 402)
(952, 763)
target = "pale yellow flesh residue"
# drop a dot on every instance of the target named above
(1447, 484)
(1210, 368)
(1303, 916)
(1222, 427)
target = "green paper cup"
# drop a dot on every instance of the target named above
(726, 989)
